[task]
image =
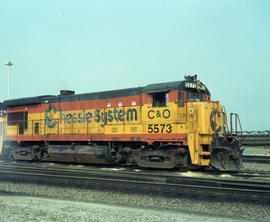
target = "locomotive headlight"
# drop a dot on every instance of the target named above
(190, 110)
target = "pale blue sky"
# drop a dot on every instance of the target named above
(96, 45)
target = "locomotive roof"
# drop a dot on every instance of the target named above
(164, 87)
(152, 88)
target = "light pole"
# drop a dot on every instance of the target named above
(9, 63)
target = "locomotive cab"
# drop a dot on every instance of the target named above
(208, 141)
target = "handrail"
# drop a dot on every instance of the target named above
(236, 120)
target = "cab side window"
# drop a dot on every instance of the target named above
(159, 99)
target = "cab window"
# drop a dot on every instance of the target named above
(159, 99)
(193, 96)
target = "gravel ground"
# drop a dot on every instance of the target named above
(256, 166)
(19, 208)
(32, 202)
(70, 204)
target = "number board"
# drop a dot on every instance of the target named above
(159, 128)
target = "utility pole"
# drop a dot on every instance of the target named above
(9, 64)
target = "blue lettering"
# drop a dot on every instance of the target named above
(121, 115)
(103, 117)
(131, 113)
(74, 118)
(115, 111)
(49, 119)
(62, 115)
(80, 117)
(68, 118)
(96, 113)
(166, 113)
(84, 116)
(110, 116)
(88, 116)
(151, 117)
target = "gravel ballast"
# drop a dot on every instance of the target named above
(256, 167)
(18, 208)
(67, 204)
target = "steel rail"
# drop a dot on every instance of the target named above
(256, 159)
(250, 187)
(264, 190)
(128, 170)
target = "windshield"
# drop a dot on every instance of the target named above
(193, 96)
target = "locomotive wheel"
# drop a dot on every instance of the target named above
(36, 153)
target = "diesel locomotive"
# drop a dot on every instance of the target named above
(166, 125)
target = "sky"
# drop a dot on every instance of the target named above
(98, 45)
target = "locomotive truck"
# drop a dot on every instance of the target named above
(165, 125)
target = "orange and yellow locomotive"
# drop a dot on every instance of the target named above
(165, 125)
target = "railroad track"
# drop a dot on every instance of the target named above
(256, 187)
(256, 139)
(256, 159)
(120, 169)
